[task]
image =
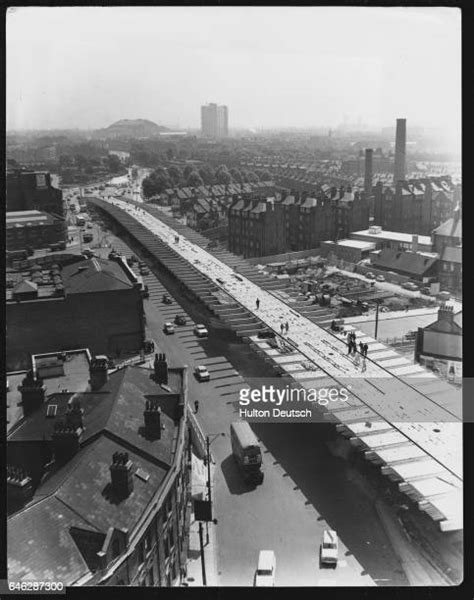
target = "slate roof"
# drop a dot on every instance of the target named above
(79, 494)
(406, 262)
(450, 228)
(94, 275)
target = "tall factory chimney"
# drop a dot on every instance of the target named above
(400, 150)
(368, 172)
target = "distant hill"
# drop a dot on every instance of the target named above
(132, 128)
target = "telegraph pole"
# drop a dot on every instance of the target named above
(203, 562)
(376, 318)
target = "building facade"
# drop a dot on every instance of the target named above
(416, 205)
(294, 222)
(33, 229)
(447, 242)
(32, 190)
(214, 121)
(92, 304)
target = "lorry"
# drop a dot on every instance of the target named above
(246, 451)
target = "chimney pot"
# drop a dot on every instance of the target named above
(98, 370)
(121, 474)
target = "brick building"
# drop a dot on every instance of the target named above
(32, 190)
(415, 205)
(297, 221)
(94, 502)
(33, 229)
(94, 304)
(256, 227)
(447, 241)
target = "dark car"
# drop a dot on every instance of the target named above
(180, 320)
(166, 299)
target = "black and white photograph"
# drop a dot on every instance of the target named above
(233, 298)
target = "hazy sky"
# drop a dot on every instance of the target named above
(87, 67)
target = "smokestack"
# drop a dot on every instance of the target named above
(98, 372)
(400, 150)
(414, 243)
(32, 393)
(121, 474)
(368, 171)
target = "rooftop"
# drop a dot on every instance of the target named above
(77, 497)
(75, 377)
(414, 263)
(353, 244)
(396, 236)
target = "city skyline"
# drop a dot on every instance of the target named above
(321, 63)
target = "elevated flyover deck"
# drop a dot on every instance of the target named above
(410, 417)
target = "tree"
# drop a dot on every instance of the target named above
(236, 175)
(156, 183)
(194, 179)
(223, 177)
(188, 169)
(113, 163)
(207, 175)
(175, 175)
(251, 177)
(264, 175)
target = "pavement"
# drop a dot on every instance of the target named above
(417, 569)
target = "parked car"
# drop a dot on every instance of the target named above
(380, 278)
(426, 290)
(144, 271)
(329, 548)
(201, 373)
(370, 275)
(265, 573)
(180, 320)
(166, 299)
(409, 285)
(168, 328)
(200, 330)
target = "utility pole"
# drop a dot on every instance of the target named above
(376, 318)
(208, 458)
(203, 562)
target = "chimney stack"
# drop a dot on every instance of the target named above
(414, 243)
(400, 150)
(98, 372)
(121, 474)
(446, 313)
(152, 416)
(161, 368)
(74, 414)
(66, 440)
(368, 171)
(19, 487)
(32, 393)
